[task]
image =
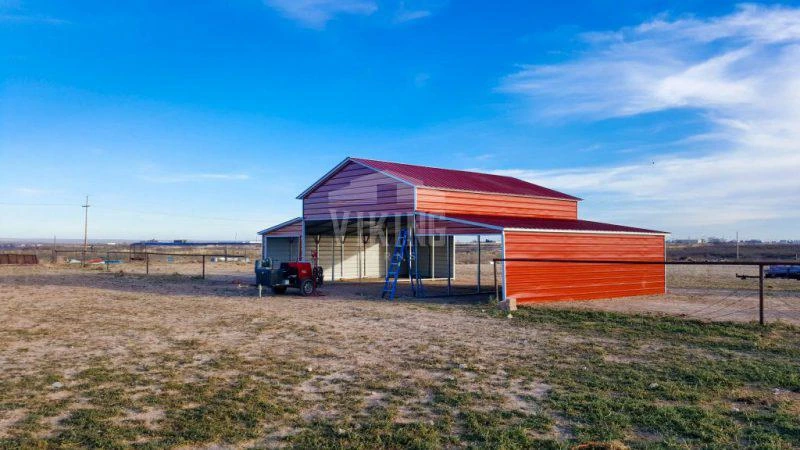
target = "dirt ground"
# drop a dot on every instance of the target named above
(105, 359)
(59, 320)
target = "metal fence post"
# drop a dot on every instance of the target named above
(204, 264)
(761, 294)
(147, 263)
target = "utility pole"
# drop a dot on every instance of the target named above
(737, 245)
(85, 229)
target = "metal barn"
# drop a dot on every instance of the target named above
(354, 213)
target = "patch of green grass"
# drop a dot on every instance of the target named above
(675, 382)
(223, 411)
(589, 377)
(376, 431)
(506, 429)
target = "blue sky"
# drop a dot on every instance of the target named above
(203, 120)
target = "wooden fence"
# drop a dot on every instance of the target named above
(13, 258)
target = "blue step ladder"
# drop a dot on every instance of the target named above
(393, 272)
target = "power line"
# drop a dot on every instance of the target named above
(187, 216)
(131, 211)
(36, 204)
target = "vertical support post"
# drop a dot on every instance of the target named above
(479, 263)
(358, 246)
(386, 248)
(341, 255)
(411, 238)
(496, 287)
(204, 265)
(147, 263)
(761, 294)
(433, 257)
(302, 240)
(448, 239)
(365, 240)
(333, 257)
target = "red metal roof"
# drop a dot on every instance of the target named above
(548, 224)
(461, 180)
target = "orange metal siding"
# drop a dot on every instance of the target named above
(532, 281)
(439, 201)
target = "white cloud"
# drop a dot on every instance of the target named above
(421, 79)
(316, 13)
(31, 19)
(408, 16)
(741, 72)
(194, 177)
(30, 191)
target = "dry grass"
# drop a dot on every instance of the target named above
(94, 359)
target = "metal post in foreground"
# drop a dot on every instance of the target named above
(147, 263)
(761, 294)
(204, 265)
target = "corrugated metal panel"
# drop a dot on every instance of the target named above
(282, 249)
(532, 281)
(534, 223)
(422, 176)
(449, 203)
(355, 190)
(341, 262)
(437, 255)
(291, 228)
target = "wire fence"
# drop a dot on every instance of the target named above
(155, 263)
(762, 291)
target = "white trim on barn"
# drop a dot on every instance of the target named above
(549, 230)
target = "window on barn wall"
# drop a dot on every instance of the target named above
(387, 193)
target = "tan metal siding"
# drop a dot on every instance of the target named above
(342, 262)
(439, 253)
(282, 249)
